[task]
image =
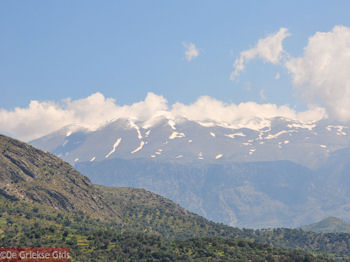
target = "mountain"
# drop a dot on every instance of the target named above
(127, 224)
(328, 225)
(259, 194)
(34, 176)
(264, 174)
(253, 194)
(187, 141)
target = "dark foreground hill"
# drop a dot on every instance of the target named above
(34, 176)
(25, 224)
(44, 202)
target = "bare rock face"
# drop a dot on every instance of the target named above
(32, 175)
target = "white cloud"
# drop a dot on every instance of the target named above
(191, 51)
(269, 49)
(41, 118)
(322, 74)
(210, 111)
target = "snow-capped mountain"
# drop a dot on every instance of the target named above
(270, 173)
(187, 141)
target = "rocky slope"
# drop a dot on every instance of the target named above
(32, 175)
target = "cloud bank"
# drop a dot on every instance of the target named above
(191, 51)
(320, 75)
(270, 49)
(43, 117)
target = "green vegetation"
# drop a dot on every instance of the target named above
(146, 212)
(25, 225)
(328, 225)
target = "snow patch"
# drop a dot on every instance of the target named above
(323, 146)
(250, 123)
(200, 156)
(176, 135)
(339, 130)
(153, 156)
(159, 151)
(190, 141)
(92, 159)
(142, 143)
(212, 134)
(251, 151)
(69, 133)
(133, 125)
(147, 133)
(234, 135)
(76, 160)
(219, 156)
(308, 126)
(286, 141)
(172, 124)
(179, 156)
(116, 144)
(206, 124)
(270, 136)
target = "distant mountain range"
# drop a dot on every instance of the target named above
(184, 141)
(283, 173)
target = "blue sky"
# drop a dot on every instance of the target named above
(53, 50)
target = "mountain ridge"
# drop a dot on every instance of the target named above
(190, 142)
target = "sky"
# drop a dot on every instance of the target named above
(64, 62)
